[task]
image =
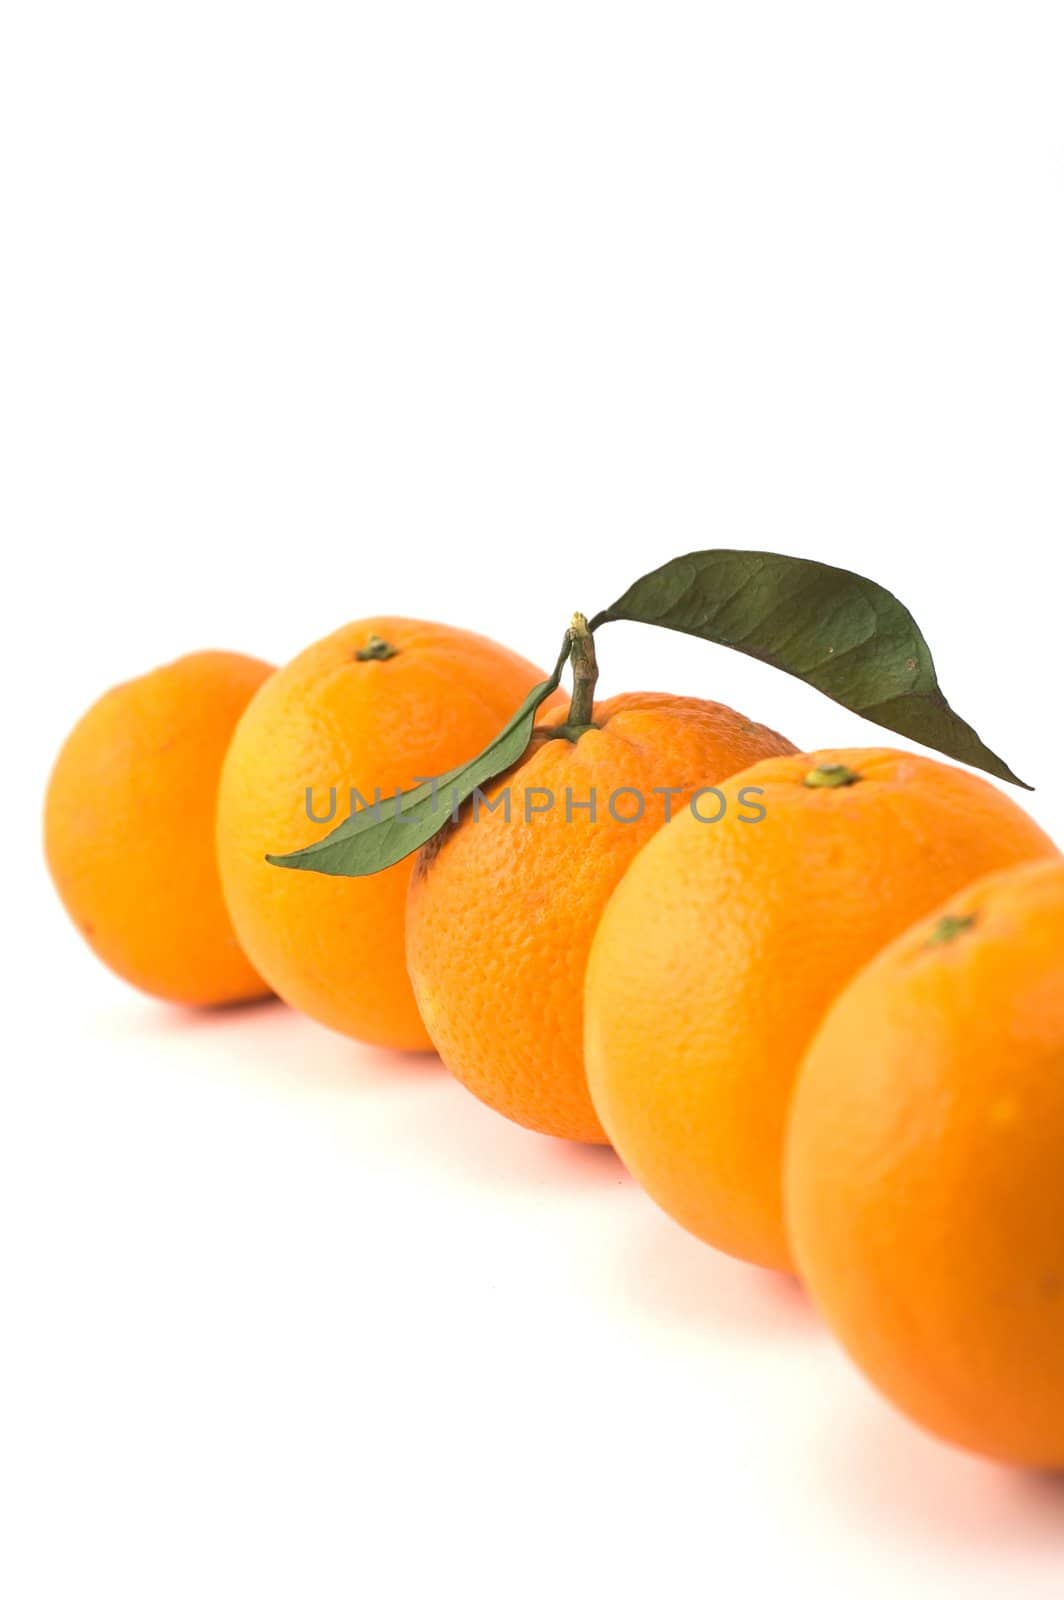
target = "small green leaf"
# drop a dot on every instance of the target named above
(844, 634)
(379, 835)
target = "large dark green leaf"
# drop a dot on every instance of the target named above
(379, 835)
(847, 636)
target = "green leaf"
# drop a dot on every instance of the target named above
(379, 835)
(847, 636)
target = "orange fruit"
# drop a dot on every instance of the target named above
(925, 1168)
(129, 828)
(502, 911)
(724, 944)
(375, 706)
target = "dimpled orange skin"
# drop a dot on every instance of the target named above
(501, 915)
(724, 945)
(333, 947)
(925, 1169)
(129, 828)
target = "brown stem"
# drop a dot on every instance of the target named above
(585, 673)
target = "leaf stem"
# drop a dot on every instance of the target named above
(585, 673)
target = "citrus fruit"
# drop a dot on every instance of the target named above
(503, 907)
(372, 708)
(129, 828)
(925, 1168)
(724, 944)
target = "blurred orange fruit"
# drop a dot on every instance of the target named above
(129, 828)
(374, 707)
(503, 908)
(725, 943)
(925, 1168)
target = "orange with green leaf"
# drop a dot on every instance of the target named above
(502, 911)
(645, 920)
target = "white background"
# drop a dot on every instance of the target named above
(478, 311)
